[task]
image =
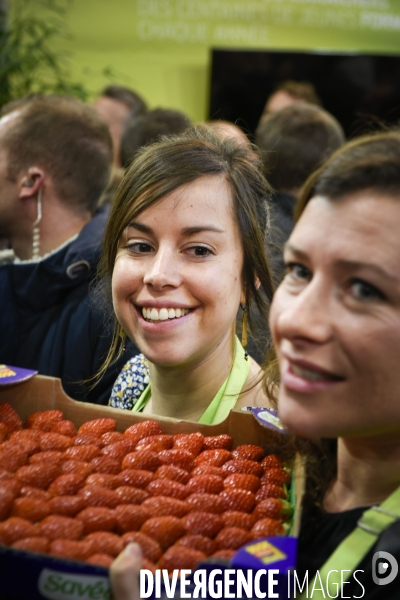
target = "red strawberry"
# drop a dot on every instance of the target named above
(202, 523)
(96, 518)
(160, 442)
(235, 518)
(77, 466)
(31, 509)
(98, 426)
(243, 481)
(105, 542)
(275, 508)
(44, 419)
(211, 442)
(65, 428)
(198, 542)
(58, 526)
(88, 439)
(54, 441)
(192, 442)
(3, 432)
(206, 467)
(105, 479)
(271, 490)
(268, 528)
(130, 517)
(236, 499)
(12, 457)
(83, 453)
(110, 437)
(73, 549)
(205, 483)
(131, 495)
(96, 495)
(248, 452)
(272, 461)
(167, 487)
(118, 450)
(68, 506)
(10, 417)
(166, 506)
(277, 476)
(181, 557)
(151, 548)
(101, 560)
(15, 528)
(178, 457)
(12, 485)
(232, 537)
(241, 465)
(48, 456)
(145, 459)
(216, 457)
(37, 475)
(6, 502)
(172, 472)
(27, 439)
(27, 490)
(205, 503)
(32, 544)
(165, 530)
(105, 464)
(139, 478)
(225, 553)
(66, 485)
(143, 429)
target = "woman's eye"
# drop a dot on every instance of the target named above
(200, 251)
(297, 271)
(365, 291)
(138, 247)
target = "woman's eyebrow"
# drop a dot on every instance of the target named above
(200, 229)
(140, 227)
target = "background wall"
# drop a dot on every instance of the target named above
(161, 48)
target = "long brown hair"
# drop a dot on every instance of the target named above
(164, 166)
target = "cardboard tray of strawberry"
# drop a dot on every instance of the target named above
(79, 481)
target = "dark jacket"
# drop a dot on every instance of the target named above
(48, 321)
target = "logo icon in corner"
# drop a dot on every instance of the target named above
(384, 568)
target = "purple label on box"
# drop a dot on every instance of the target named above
(14, 374)
(267, 553)
(268, 417)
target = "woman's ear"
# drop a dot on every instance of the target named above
(257, 282)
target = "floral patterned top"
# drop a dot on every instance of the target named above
(130, 383)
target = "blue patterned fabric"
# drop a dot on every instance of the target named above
(130, 383)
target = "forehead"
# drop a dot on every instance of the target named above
(362, 225)
(205, 198)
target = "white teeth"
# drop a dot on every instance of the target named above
(163, 314)
(306, 374)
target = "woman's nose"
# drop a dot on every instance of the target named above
(163, 270)
(307, 316)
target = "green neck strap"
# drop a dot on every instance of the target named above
(227, 395)
(352, 550)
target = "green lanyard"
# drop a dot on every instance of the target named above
(227, 395)
(352, 550)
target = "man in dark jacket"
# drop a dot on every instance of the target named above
(55, 158)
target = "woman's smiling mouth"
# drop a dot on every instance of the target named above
(163, 314)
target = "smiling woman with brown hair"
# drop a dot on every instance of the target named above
(183, 251)
(335, 321)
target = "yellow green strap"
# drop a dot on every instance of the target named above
(227, 395)
(352, 550)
